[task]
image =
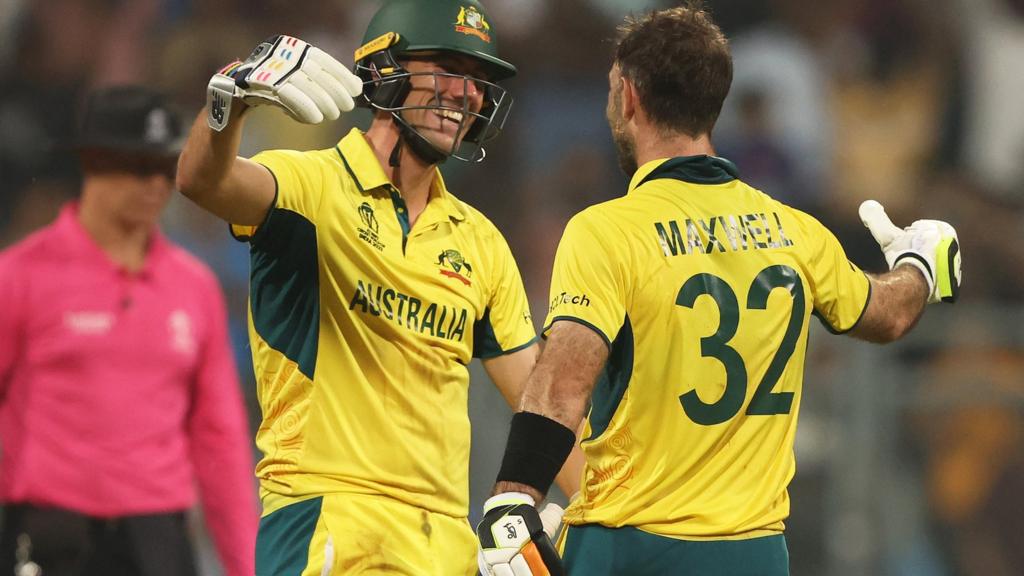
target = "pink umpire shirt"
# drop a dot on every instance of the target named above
(118, 391)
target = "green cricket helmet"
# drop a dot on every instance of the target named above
(404, 29)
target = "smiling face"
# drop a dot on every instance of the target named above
(443, 97)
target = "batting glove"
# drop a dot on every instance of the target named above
(929, 245)
(515, 539)
(286, 72)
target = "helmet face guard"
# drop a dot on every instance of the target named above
(386, 84)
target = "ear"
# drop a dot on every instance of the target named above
(630, 99)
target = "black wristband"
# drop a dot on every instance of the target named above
(536, 450)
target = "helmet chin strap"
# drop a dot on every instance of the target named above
(416, 143)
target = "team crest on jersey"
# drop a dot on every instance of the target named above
(453, 265)
(472, 22)
(368, 231)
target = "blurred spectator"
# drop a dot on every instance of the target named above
(789, 116)
(117, 386)
(766, 163)
(972, 428)
(994, 39)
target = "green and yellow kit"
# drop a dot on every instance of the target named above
(703, 288)
(362, 328)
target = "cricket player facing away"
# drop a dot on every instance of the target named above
(372, 288)
(680, 312)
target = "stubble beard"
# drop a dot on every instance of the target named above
(625, 150)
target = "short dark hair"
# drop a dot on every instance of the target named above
(679, 61)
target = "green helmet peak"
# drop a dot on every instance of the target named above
(461, 26)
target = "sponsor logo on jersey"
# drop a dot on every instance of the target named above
(470, 21)
(567, 298)
(731, 233)
(410, 312)
(368, 231)
(89, 323)
(453, 265)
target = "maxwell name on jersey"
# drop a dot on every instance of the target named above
(735, 232)
(438, 320)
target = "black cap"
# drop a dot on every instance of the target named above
(130, 119)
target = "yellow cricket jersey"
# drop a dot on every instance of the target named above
(362, 328)
(703, 288)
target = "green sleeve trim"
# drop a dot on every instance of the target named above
(824, 321)
(603, 336)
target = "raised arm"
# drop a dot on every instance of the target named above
(212, 175)
(309, 85)
(924, 262)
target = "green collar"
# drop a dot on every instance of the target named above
(701, 169)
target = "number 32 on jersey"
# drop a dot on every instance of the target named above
(764, 401)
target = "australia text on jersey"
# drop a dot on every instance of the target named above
(741, 232)
(438, 320)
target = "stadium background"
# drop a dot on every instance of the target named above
(909, 457)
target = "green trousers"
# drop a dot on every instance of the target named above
(594, 550)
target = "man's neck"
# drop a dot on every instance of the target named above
(413, 177)
(651, 145)
(126, 244)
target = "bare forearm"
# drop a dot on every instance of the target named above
(897, 301)
(206, 160)
(559, 389)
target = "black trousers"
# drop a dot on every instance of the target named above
(65, 543)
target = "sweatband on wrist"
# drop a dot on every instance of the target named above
(536, 450)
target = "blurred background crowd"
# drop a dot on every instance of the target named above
(909, 458)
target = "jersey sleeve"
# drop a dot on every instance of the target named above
(298, 177)
(841, 289)
(587, 284)
(506, 325)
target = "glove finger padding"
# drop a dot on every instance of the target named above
(351, 84)
(306, 82)
(323, 101)
(331, 86)
(298, 104)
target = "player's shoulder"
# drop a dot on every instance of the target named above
(34, 249)
(313, 159)
(603, 218)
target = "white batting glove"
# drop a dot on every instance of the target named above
(929, 245)
(286, 72)
(515, 539)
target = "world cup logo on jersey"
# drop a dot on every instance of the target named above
(453, 265)
(368, 231)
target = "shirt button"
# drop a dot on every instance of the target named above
(401, 210)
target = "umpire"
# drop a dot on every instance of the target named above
(118, 390)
